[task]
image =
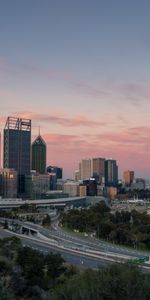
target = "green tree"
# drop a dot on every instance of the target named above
(54, 265)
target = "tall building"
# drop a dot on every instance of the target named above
(91, 186)
(0, 150)
(55, 174)
(85, 168)
(37, 185)
(98, 169)
(17, 148)
(128, 177)
(39, 155)
(55, 170)
(111, 172)
(17, 145)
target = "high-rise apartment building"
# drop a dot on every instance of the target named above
(85, 168)
(17, 145)
(128, 177)
(111, 172)
(39, 155)
(98, 169)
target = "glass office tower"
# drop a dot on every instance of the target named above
(39, 155)
(111, 172)
(17, 148)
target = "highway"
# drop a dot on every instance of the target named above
(73, 258)
(70, 240)
(87, 252)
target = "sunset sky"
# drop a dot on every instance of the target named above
(80, 69)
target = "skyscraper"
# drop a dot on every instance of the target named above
(17, 145)
(85, 168)
(98, 169)
(0, 150)
(17, 148)
(128, 177)
(111, 172)
(39, 155)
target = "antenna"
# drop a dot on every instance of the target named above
(39, 131)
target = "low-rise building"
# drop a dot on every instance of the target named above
(71, 188)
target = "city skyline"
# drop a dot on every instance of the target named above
(81, 72)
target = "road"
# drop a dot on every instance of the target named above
(88, 252)
(76, 259)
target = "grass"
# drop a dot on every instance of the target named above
(81, 234)
(69, 230)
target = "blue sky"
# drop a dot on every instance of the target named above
(63, 61)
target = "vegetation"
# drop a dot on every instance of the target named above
(128, 228)
(26, 213)
(26, 274)
(113, 283)
(46, 221)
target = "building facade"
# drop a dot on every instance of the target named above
(39, 155)
(55, 170)
(37, 185)
(98, 169)
(17, 149)
(85, 169)
(111, 172)
(9, 183)
(91, 186)
(71, 188)
(128, 177)
(17, 145)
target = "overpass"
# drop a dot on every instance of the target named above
(93, 249)
(60, 202)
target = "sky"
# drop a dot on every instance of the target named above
(81, 71)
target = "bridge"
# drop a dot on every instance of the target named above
(60, 202)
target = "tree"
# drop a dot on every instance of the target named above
(123, 282)
(54, 265)
(46, 221)
(32, 264)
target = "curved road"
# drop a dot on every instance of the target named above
(68, 245)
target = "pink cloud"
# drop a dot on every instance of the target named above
(129, 147)
(62, 120)
(131, 153)
(131, 92)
